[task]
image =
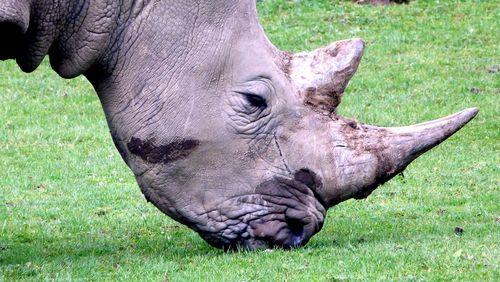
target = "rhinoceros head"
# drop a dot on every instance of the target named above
(229, 135)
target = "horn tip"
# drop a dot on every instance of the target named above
(357, 43)
(468, 114)
(473, 111)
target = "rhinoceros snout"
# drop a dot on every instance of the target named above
(291, 233)
(281, 213)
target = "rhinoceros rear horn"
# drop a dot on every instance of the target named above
(322, 75)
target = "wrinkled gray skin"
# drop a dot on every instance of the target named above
(224, 132)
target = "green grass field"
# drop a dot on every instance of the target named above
(70, 209)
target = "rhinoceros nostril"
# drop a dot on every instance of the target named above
(296, 232)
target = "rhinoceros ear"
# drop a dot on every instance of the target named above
(322, 75)
(14, 22)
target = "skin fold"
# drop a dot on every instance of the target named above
(224, 132)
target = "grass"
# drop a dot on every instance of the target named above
(71, 210)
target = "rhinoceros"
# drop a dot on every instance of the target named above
(224, 132)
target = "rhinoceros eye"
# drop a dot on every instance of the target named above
(255, 100)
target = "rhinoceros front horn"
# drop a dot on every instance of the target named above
(364, 156)
(373, 155)
(322, 75)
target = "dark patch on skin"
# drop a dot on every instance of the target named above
(167, 153)
(309, 178)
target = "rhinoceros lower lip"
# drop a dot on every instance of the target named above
(281, 213)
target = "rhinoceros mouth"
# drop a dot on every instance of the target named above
(280, 213)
